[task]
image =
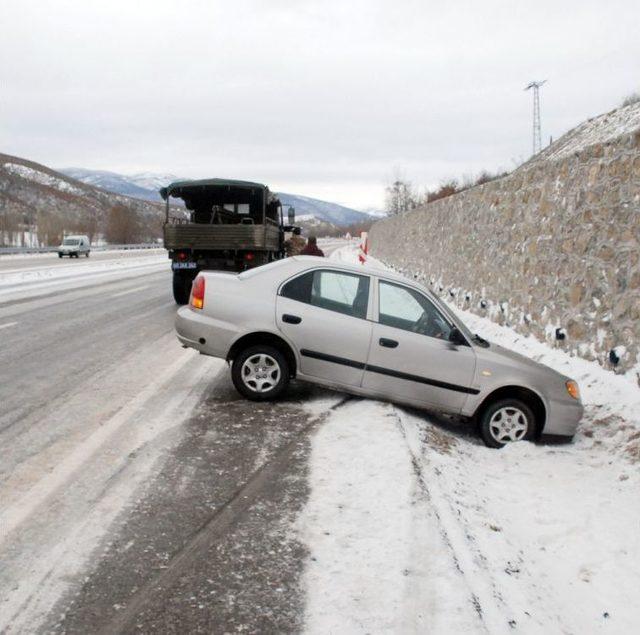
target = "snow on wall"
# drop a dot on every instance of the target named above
(554, 245)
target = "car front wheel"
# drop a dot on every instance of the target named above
(260, 373)
(506, 421)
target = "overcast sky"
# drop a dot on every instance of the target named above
(327, 99)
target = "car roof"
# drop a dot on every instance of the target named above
(307, 262)
(288, 267)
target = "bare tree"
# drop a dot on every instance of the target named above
(632, 98)
(50, 228)
(123, 225)
(400, 197)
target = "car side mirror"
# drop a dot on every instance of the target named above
(456, 337)
(291, 215)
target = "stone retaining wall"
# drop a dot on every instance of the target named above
(554, 245)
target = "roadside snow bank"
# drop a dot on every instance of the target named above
(412, 525)
(377, 560)
(546, 537)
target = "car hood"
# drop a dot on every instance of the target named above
(499, 354)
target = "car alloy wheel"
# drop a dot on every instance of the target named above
(506, 421)
(260, 373)
(508, 424)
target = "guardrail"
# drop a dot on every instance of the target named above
(45, 250)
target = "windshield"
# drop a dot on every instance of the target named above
(70, 241)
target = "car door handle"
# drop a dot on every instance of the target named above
(383, 341)
(291, 319)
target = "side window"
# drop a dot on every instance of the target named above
(332, 290)
(406, 309)
(299, 288)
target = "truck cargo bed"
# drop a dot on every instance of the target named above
(219, 237)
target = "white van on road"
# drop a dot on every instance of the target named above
(74, 246)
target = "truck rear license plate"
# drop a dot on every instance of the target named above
(184, 265)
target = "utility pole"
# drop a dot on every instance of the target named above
(537, 142)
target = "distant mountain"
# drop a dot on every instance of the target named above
(145, 185)
(375, 213)
(322, 210)
(36, 200)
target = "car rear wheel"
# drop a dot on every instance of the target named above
(181, 288)
(260, 373)
(506, 421)
(59, 255)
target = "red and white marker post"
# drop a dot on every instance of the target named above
(364, 247)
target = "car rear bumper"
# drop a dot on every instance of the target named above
(563, 417)
(191, 328)
(202, 332)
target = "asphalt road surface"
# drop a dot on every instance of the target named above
(138, 492)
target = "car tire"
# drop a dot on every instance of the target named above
(59, 255)
(506, 421)
(271, 379)
(181, 288)
(87, 254)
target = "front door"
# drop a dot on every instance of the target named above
(323, 313)
(411, 357)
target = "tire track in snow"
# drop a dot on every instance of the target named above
(485, 594)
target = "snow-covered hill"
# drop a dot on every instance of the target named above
(40, 204)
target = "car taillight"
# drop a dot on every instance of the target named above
(249, 256)
(181, 255)
(197, 293)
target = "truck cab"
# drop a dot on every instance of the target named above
(224, 225)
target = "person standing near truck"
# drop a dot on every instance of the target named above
(311, 248)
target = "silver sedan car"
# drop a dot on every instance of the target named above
(373, 333)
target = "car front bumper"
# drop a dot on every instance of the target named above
(563, 417)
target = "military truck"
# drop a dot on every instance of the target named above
(224, 225)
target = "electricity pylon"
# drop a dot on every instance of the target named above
(537, 139)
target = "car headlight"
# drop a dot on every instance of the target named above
(572, 389)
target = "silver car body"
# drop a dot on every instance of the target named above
(74, 246)
(364, 356)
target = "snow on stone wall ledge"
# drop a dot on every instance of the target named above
(554, 245)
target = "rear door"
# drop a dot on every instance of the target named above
(411, 357)
(323, 312)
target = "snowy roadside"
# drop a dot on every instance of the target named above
(21, 257)
(28, 281)
(413, 525)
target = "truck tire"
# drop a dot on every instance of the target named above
(181, 288)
